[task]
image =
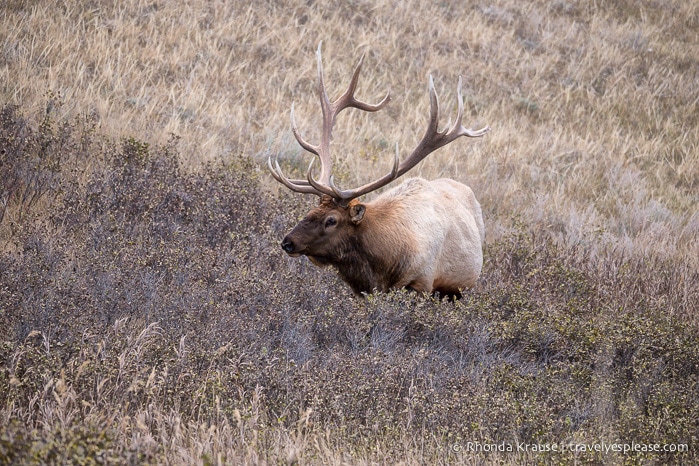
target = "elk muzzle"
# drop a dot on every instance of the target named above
(288, 246)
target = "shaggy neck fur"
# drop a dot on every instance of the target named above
(369, 261)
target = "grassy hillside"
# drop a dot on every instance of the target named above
(147, 314)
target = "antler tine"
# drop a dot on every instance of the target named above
(457, 124)
(299, 186)
(321, 188)
(302, 142)
(348, 99)
(434, 110)
(323, 153)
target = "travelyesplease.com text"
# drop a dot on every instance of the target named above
(594, 447)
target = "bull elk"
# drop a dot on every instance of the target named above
(423, 235)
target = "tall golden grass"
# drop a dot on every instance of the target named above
(594, 107)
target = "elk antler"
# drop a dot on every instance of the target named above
(432, 140)
(324, 185)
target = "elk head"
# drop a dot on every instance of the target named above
(325, 233)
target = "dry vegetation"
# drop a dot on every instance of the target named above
(147, 314)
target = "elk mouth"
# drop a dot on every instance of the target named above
(293, 253)
(319, 261)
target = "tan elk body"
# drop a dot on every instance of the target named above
(423, 235)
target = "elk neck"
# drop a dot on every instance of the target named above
(377, 254)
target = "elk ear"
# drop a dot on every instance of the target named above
(356, 212)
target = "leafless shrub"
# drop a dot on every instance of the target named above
(148, 316)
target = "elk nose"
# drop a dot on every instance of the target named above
(288, 245)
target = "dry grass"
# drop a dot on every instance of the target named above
(584, 325)
(594, 109)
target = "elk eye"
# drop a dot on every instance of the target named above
(330, 221)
